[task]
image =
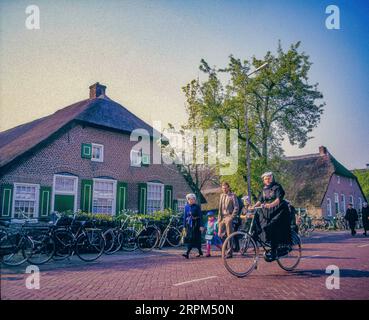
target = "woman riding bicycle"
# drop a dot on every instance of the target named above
(274, 218)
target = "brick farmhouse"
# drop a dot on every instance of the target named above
(322, 185)
(81, 157)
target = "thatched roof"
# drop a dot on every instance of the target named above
(212, 199)
(311, 175)
(100, 111)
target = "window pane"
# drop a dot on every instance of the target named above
(64, 184)
(154, 197)
(103, 197)
(24, 201)
(96, 152)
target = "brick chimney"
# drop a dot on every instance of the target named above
(323, 151)
(97, 90)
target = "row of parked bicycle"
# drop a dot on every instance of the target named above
(28, 240)
(307, 224)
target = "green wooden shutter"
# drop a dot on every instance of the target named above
(175, 205)
(86, 195)
(6, 200)
(86, 150)
(121, 197)
(142, 198)
(168, 197)
(45, 202)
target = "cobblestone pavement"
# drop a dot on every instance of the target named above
(165, 274)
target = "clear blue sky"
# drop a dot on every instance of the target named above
(145, 51)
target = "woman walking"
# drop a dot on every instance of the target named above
(192, 220)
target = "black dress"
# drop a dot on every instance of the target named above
(365, 215)
(275, 222)
(193, 222)
(352, 216)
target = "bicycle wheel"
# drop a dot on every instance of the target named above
(90, 245)
(302, 230)
(44, 248)
(111, 241)
(64, 244)
(128, 239)
(174, 237)
(21, 248)
(291, 259)
(148, 238)
(244, 260)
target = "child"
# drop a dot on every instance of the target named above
(211, 235)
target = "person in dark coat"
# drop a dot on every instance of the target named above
(274, 217)
(292, 210)
(192, 220)
(365, 217)
(351, 216)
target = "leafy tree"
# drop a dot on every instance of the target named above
(363, 177)
(280, 100)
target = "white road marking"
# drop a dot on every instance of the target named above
(363, 245)
(194, 280)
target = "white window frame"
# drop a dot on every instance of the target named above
(162, 195)
(101, 159)
(352, 200)
(351, 182)
(71, 193)
(138, 165)
(360, 203)
(113, 207)
(338, 179)
(336, 203)
(37, 195)
(329, 207)
(184, 203)
(343, 202)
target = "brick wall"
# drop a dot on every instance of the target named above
(341, 185)
(64, 155)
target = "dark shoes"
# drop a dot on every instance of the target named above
(270, 256)
(229, 256)
(187, 255)
(208, 255)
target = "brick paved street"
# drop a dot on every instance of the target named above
(166, 275)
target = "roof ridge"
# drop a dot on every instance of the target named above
(303, 156)
(101, 111)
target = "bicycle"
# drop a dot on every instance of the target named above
(118, 236)
(305, 225)
(135, 233)
(341, 222)
(245, 260)
(170, 234)
(15, 244)
(79, 237)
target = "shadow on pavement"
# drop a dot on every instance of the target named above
(344, 273)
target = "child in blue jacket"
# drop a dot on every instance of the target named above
(211, 235)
